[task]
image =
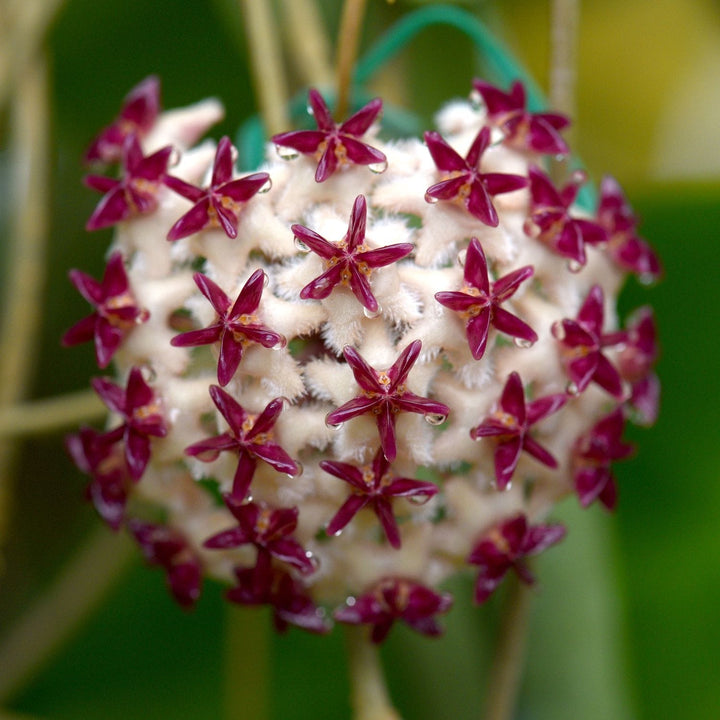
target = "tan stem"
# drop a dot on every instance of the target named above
(23, 284)
(506, 672)
(307, 42)
(52, 619)
(348, 41)
(370, 699)
(266, 63)
(42, 416)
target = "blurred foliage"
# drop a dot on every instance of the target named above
(630, 611)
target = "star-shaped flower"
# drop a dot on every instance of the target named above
(265, 584)
(478, 301)
(137, 116)
(136, 192)
(523, 130)
(376, 486)
(335, 145)
(593, 455)
(509, 424)
(396, 599)
(635, 363)
(551, 222)
(503, 548)
(109, 478)
(268, 528)
(250, 436)
(348, 262)
(116, 311)
(220, 204)
(165, 547)
(628, 250)
(384, 394)
(581, 344)
(141, 414)
(235, 327)
(466, 183)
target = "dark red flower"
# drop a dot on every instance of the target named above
(384, 394)
(628, 250)
(466, 183)
(167, 548)
(635, 363)
(581, 344)
(250, 436)
(396, 599)
(136, 192)
(504, 547)
(376, 486)
(235, 327)
(478, 301)
(220, 204)
(509, 425)
(348, 262)
(116, 311)
(593, 455)
(265, 584)
(110, 481)
(335, 145)
(551, 222)
(268, 528)
(536, 132)
(137, 116)
(141, 414)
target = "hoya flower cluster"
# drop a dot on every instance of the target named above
(363, 368)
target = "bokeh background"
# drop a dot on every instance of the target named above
(625, 622)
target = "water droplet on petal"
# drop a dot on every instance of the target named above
(430, 199)
(300, 470)
(333, 426)
(522, 342)
(301, 246)
(419, 499)
(378, 167)
(496, 136)
(174, 158)
(558, 330)
(309, 109)
(314, 560)
(560, 157)
(575, 266)
(572, 389)
(579, 177)
(504, 489)
(372, 313)
(350, 601)
(249, 498)
(266, 279)
(461, 257)
(281, 344)
(337, 533)
(476, 100)
(531, 229)
(286, 153)
(435, 418)
(646, 279)
(266, 187)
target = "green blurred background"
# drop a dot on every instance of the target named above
(625, 622)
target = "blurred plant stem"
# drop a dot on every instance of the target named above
(307, 41)
(347, 48)
(266, 63)
(369, 695)
(80, 587)
(40, 416)
(506, 671)
(247, 663)
(25, 262)
(564, 22)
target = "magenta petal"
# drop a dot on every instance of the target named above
(477, 330)
(193, 338)
(249, 298)
(212, 291)
(230, 409)
(609, 494)
(361, 289)
(475, 272)
(137, 453)
(544, 406)
(346, 513)
(226, 539)
(507, 455)
(231, 352)
(459, 301)
(532, 447)
(365, 376)
(274, 455)
(478, 147)
(243, 189)
(512, 400)
(359, 123)
(544, 136)
(318, 244)
(223, 165)
(188, 191)
(113, 208)
(351, 409)
(291, 552)
(406, 487)
(607, 377)
(540, 537)
(323, 284)
(88, 287)
(582, 369)
(589, 483)
(328, 162)
(414, 403)
(480, 205)
(361, 153)
(243, 475)
(385, 255)
(591, 313)
(112, 395)
(506, 286)
(80, 332)
(445, 158)
(512, 325)
(320, 110)
(153, 166)
(499, 183)
(226, 217)
(209, 449)
(489, 428)
(383, 510)
(447, 189)
(401, 367)
(107, 341)
(344, 471)
(193, 221)
(485, 586)
(386, 428)
(304, 141)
